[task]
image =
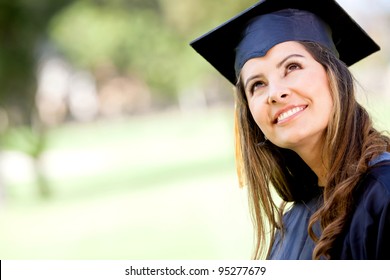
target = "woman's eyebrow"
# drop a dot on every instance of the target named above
(286, 58)
(251, 78)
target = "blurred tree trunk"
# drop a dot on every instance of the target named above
(23, 29)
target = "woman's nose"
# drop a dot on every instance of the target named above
(278, 94)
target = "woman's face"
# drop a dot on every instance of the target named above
(289, 97)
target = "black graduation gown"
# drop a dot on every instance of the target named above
(366, 237)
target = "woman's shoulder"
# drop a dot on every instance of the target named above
(379, 174)
(379, 171)
(374, 188)
(366, 237)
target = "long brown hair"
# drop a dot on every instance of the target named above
(351, 142)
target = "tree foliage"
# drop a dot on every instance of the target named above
(149, 38)
(146, 38)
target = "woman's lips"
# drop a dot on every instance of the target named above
(287, 113)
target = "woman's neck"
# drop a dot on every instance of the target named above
(317, 161)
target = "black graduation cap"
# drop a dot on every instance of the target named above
(219, 46)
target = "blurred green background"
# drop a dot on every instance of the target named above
(116, 138)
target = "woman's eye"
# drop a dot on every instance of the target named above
(256, 86)
(292, 66)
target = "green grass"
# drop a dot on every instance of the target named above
(153, 187)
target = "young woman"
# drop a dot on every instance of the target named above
(300, 132)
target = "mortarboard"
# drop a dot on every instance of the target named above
(228, 46)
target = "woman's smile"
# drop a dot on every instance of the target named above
(288, 113)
